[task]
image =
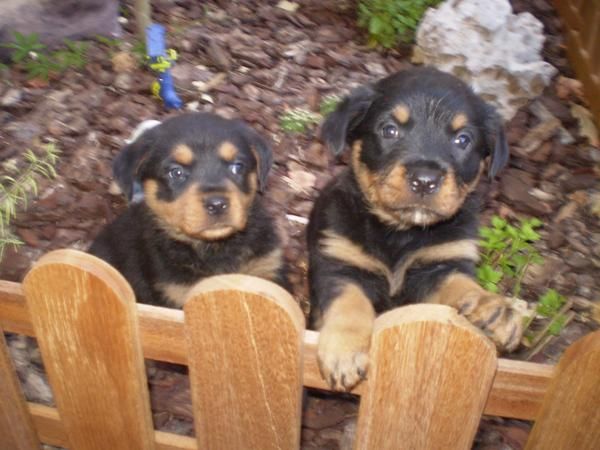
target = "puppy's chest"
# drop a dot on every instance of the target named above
(184, 272)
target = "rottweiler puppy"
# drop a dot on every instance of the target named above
(400, 224)
(194, 183)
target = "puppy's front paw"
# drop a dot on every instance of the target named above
(495, 315)
(343, 356)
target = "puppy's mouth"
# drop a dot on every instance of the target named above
(212, 233)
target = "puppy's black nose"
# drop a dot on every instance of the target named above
(425, 180)
(216, 205)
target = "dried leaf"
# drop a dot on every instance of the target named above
(587, 127)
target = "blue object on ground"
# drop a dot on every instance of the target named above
(155, 48)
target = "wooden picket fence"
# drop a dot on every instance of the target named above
(581, 21)
(249, 355)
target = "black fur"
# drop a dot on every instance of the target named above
(147, 252)
(433, 98)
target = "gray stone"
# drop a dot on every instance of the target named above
(11, 98)
(497, 52)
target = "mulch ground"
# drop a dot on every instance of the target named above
(255, 61)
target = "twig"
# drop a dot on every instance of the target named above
(540, 345)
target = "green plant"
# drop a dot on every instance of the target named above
(31, 55)
(550, 306)
(328, 104)
(507, 251)
(391, 21)
(297, 120)
(73, 55)
(25, 46)
(139, 50)
(15, 189)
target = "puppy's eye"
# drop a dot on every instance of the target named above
(462, 141)
(390, 132)
(236, 168)
(177, 173)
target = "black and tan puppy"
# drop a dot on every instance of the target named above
(400, 224)
(196, 212)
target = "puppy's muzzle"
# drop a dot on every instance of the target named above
(425, 180)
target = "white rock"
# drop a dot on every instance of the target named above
(484, 43)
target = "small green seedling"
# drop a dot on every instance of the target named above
(390, 22)
(29, 54)
(298, 120)
(328, 104)
(16, 188)
(549, 306)
(25, 46)
(507, 251)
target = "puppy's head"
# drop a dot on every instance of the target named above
(198, 173)
(419, 140)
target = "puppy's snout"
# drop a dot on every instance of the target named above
(425, 180)
(216, 205)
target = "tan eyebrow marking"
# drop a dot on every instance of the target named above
(401, 113)
(227, 151)
(459, 121)
(183, 154)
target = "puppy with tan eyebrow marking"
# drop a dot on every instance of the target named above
(194, 182)
(400, 224)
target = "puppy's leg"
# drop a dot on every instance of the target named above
(345, 337)
(486, 310)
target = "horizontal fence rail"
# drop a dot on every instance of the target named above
(517, 390)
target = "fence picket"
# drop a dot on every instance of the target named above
(83, 312)
(244, 341)
(430, 375)
(570, 413)
(16, 427)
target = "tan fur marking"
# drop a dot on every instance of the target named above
(345, 338)
(186, 219)
(491, 312)
(239, 202)
(401, 113)
(227, 151)
(176, 293)
(343, 249)
(183, 154)
(265, 266)
(185, 214)
(459, 121)
(462, 249)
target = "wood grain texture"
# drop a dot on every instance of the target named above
(570, 414)
(244, 341)
(430, 375)
(582, 32)
(83, 312)
(16, 427)
(517, 391)
(52, 432)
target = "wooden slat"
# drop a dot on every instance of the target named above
(244, 342)
(84, 316)
(581, 33)
(570, 414)
(51, 431)
(16, 427)
(429, 377)
(517, 391)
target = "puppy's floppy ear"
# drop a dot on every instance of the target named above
(263, 154)
(127, 163)
(339, 124)
(495, 141)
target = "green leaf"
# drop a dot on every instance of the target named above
(557, 325)
(498, 222)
